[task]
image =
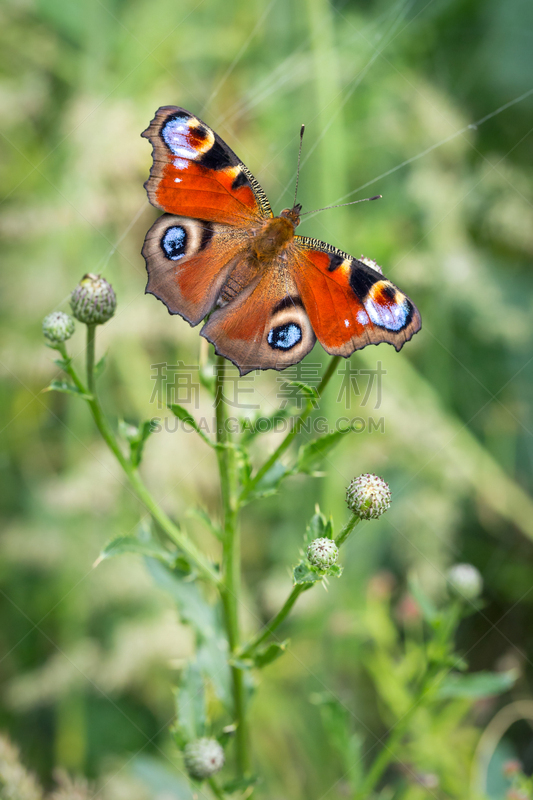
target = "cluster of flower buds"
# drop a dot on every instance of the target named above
(92, 302)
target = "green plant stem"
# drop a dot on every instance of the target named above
(392, 743)
(297, 590)
(231, 566)
(296, 428)
(172, 531)
(89, 356)
(276, 621)
(215, 788)
(346, 529)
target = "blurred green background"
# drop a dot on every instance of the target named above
(88, 657)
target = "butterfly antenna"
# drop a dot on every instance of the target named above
(341, 205)
(302, 129)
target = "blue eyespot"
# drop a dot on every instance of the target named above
(284, 337)
(174, 242)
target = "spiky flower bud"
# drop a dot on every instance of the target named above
(203, 758)
(93, 300)
(465, 580)
(368, 496)
(322, 553)
(58, 327)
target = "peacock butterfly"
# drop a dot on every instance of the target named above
(220, 249)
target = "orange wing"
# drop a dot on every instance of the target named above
(350, 304)
(195, 174)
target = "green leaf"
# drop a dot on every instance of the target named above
(202, 516)
(243, 464)
(100, 366)
(337, 722)
(429, 611)
(309, 391)
(181, 413)
(190, 705)
(212, 658)
(193, 608)
(67, 388)
(160, 779)
(476, 685)
(240, 784)
(270, 653)
(269, 483)
(137, 446)
(305, 573)
(62, 363)
(311, 455)
(123, 545)
(136, 436)
(318, 527)
(252, 427)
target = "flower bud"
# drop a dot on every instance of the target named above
(93, 300)
(58, 327)
(368, 496)
(203, 758)
(322, 553)
(465, 580)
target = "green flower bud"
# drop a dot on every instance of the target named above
(203, 758)
(368, 496)
(465, 580)
(58, 327)
(322, 553)
(93, 300)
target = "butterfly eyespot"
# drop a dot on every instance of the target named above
(387, 307)
(284, 337)
(186, 138)
(174, 242)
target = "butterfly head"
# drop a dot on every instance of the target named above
(293, 214)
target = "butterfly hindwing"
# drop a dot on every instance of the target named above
(195, 173)
(350, 304)
(188, 262)
(265, 326)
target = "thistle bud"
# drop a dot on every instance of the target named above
(58, 327)
(322, 553)
(203, 758)
(368, 496)
(93, 300)
(465, 580)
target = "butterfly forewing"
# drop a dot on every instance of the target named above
(195, 173)
(350, 304)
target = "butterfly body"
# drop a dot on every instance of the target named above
(219, 250)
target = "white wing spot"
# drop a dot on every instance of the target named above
(347, 323)
(177, 180)
(362, 317)
(391, 317)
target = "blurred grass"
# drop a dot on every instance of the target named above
(88, 657)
